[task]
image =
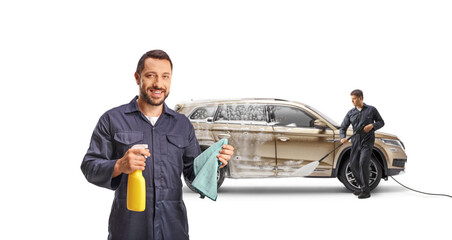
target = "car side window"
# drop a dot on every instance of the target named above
(242, 112)
(202, 113)
(290, 117)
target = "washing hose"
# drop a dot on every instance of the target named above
(411, 189)
(414, 190)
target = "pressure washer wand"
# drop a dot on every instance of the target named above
(340, 145)
(310, 167)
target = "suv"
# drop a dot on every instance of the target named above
(275, 138)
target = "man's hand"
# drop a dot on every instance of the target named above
(344, 140)
(225, 154)
(134, 159)
(368, 127)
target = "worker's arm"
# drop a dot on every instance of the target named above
(98, 164)
(379, 122)
(344, 126)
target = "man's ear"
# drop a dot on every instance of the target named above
(137, 78)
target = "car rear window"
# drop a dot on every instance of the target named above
(202, 113)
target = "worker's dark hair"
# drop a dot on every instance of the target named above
(357, 93)
(157, 54)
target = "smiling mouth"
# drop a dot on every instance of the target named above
(156, 92)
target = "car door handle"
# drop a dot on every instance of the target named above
(221, 136)
(283, 139)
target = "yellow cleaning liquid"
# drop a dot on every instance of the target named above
(136, 192)
(136, 188)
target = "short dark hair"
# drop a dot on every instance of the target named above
(357, 93)
(157, 54)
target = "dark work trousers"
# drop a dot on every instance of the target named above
(362, 145)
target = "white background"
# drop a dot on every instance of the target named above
(64, 63)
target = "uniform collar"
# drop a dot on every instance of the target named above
(364, 106)
(133, 107)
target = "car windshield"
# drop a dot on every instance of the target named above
(324, 116)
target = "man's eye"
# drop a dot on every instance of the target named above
(165, 77)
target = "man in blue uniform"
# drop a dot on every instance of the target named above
(172, 148)
(366, 117)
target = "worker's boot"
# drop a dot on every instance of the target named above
(364, 194)
(357, 192)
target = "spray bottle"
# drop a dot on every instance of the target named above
(136, 188)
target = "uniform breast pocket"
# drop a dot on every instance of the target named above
(175, 145)
(125, 140)
(354, 118)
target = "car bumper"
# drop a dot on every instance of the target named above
(398, 166)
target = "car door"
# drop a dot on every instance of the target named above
(298, 142)
(248, 130)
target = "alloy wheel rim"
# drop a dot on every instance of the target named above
(352, 180)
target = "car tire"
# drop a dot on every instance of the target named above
(347, 178)
(220, 179)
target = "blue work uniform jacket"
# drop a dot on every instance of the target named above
(173, 147)
(367, 115)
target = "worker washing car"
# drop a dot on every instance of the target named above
(366, 120)
(172, 148)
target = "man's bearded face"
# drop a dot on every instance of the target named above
(155, 81)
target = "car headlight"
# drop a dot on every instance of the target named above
(392, 142)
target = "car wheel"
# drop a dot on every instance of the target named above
(220, 179)
(188, 183)
(220, 176)
(348, 179)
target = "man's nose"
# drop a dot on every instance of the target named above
(157, 79)
(157, 83)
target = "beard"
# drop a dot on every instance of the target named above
(149, 100)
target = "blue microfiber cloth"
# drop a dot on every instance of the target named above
(206, 166)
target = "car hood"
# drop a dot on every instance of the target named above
(385, 135)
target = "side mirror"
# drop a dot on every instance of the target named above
(209, 119)
(319, 124)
